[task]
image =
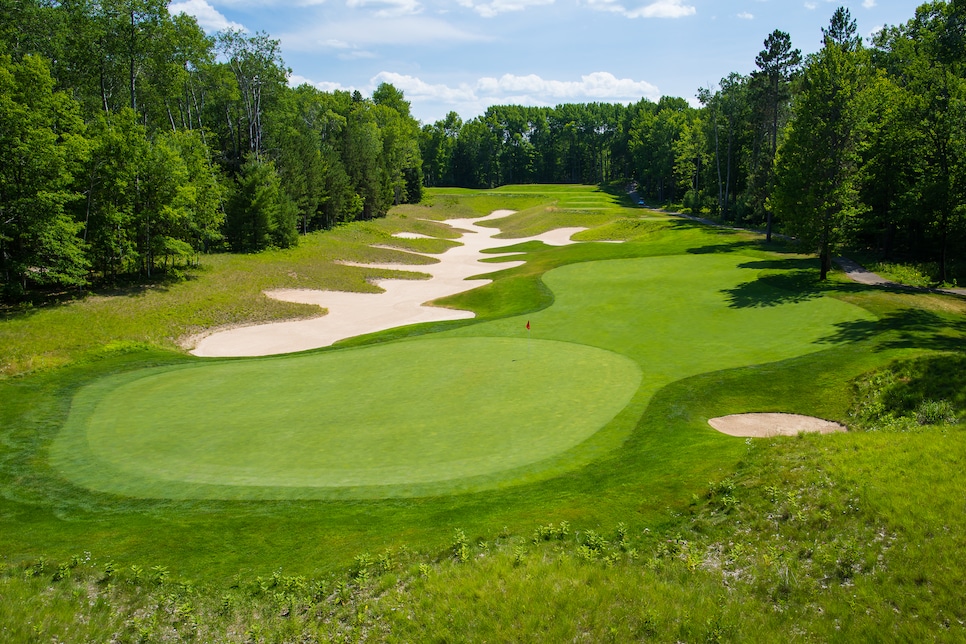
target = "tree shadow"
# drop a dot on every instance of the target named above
(905, 329)
(783, 264)
(730, 247)
(791, 287)
(37, 300)
(618, 192)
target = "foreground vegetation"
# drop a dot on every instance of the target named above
(678, 534)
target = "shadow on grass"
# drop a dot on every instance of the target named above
(775, 290)
(784, 264)
(618, 190)
(905, 329)
(732, 247)
(36, 300)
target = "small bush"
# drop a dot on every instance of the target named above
(910, 393)
(460, 547)
(935, 412)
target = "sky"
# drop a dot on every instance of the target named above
(466, 55)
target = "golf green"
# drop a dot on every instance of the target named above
(408, 413)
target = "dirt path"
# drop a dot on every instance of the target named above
(859, 274)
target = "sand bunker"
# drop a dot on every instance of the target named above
(767, 425)
(402, 303)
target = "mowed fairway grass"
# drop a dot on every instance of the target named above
(465, 410)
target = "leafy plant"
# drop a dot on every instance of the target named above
(460, 546)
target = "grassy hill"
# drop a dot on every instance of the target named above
(654, 527)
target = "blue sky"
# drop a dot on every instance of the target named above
(466, 55)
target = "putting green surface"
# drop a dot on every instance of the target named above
(399, 414)
(477, 407)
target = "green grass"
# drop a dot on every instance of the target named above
(450, 410)
(475, 409)
(653, 528)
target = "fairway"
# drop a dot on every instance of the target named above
(394, 415)
(475, 408)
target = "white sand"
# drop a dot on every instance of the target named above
(771, 424)
(402, 303)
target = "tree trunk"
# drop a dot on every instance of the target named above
(134, 104)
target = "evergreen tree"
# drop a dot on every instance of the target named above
(818, 167)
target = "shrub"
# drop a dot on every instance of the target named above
(935, 412)
(460, 547)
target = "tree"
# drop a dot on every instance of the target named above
(690, 162)
(400, 158)
(42, 145)
(727, 109)
(842, 31)
(437, 142)
(111, 184)
(260, 214)
(295, 143)
(261, 75)
(818, 188)
(936, 85)
(777, 64)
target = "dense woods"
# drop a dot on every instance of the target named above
(860, 144)
(131, 141)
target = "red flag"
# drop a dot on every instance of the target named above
(528, 325)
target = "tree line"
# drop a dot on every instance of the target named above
(860, 144)
(130, 140)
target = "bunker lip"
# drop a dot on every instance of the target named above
(403, 302)
(766, 425)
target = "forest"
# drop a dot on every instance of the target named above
(860, 145)
(130, 142)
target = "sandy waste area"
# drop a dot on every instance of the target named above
(403, 302)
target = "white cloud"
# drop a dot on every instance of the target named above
(536, 90)
(496, 7)
(358, 34)
(606, 5)
(261, 4)
(868, 4)
(811, 6)
(471, 99)
(744, 15)
(663, 9)
(657, 9)
(347, 51)
(388, 8)
(209, 18)
(417, 89)
(295, 80)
